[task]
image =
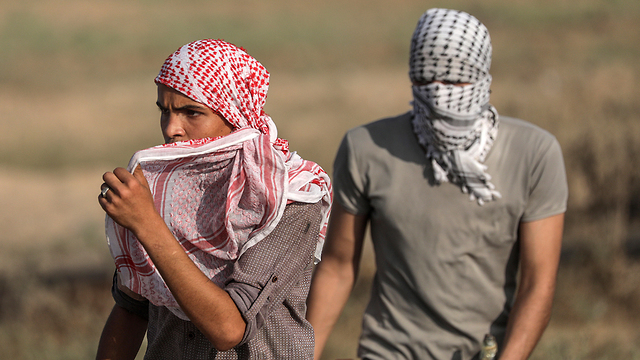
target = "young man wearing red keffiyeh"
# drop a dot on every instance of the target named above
(214, 234)
(458, 200)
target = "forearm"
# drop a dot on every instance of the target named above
(527, 322)
(337, 272)
(122, 335)
(131, 205)
(208, 306)
(540, 245)
(330, 290)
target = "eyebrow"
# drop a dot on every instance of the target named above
(186, 107)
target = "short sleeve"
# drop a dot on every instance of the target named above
(128, 300)
(349, 180)
(548, 190)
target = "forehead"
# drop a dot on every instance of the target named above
(168, 95)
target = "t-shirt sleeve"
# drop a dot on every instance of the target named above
(349, 180)
(128, 300)
(548, 190)
(267, 272)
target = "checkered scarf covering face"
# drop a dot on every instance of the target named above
(454, 123)
(218, 196)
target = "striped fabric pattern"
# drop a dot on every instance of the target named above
(218, 196)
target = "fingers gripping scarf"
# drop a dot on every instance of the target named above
(454, 123)
(218, 196)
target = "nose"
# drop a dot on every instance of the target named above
(172, 127)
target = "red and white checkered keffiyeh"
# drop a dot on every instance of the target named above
(218, 196)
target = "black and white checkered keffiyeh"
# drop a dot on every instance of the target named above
(452, 118)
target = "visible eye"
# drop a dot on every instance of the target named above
(192, 113)
(162, 110)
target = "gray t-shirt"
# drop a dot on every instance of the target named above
(446, 267)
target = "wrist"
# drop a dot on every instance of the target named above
(149, 229)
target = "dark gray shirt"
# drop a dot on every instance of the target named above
(269, 285)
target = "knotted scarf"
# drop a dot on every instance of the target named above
(218, 196)
(452, 118)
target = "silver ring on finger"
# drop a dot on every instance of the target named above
(104, 191)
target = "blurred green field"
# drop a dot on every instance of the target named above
(77, 99)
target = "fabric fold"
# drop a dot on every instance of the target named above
(188, 180)
(218, 196)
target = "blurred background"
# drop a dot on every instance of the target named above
(77, 99)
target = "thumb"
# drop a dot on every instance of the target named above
(139, 175)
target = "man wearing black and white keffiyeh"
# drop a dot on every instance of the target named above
(452, 117)
(449, 272)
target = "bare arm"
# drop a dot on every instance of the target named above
(336, 274)
(210, 308)
(540, 243)
(122, 335)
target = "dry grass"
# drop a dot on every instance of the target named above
(76, 99)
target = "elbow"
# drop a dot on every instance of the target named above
(228, 338)
(227, 344)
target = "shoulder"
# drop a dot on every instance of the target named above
(299, 223)
(388, 136)
(537, 153)
(523, 138)
(297, 220)
(292, 240)
(296, 210)
(385, 126)
(520, 129)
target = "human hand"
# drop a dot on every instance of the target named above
(128, 200)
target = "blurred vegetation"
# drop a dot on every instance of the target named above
(77, 99)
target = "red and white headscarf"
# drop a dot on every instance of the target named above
(218, 196)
